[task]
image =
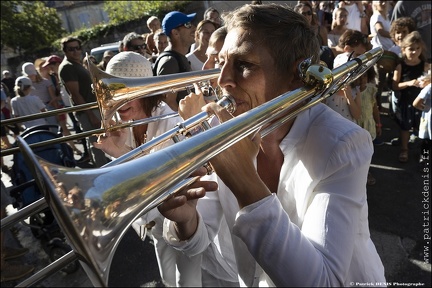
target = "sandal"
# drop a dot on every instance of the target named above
(403, 156)
(370, 180)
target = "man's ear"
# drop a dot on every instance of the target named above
(174, 33)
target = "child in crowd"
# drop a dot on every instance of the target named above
(338, 28)
(43, 88)
(353, 43)
(25, 104)
(398, 30)
(370, 118)
(423, 103)
(380, 29)
(406, 79)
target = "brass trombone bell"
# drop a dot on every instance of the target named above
(113, 92)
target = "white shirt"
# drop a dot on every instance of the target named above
(196, 64)
(425, 122)
(378, 40)
(314, 231)
(28, 105)
(42, 90)
(396, 49)
(157, 128)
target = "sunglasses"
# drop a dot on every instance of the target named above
(187, 25)
(308, 13)
(139, 47)
(72, 49)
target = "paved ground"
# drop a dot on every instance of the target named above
(399, 209)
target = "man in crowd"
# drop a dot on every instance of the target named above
(135, 43)
(78, 83)
(181, 32)
(105, 59)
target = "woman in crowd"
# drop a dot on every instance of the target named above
(49, 70)
(338, 28)
(197, 57)
(26, 103)
(43, 88)
(174, 267)
(306, 10)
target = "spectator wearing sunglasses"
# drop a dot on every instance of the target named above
(135, 42)
(78, 83)
(181, 33)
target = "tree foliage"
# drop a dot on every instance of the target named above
(29, 26)
(123, 11)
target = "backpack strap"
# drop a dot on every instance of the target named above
(171, 53)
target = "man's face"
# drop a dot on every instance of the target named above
(138, 46)
(73, 51)
(186, 33)
(248, 72)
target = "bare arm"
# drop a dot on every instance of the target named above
(381, 31)
(171, 100)
(419, 103)
(53, 102)
(78, 99)
(377, 118)
(354, 104)
(397, 85)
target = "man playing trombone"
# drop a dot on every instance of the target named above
(294, 201)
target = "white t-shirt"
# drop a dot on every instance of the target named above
(28, 105)
(41, 90)
(378, 40)
(195, 63)
(425, 122)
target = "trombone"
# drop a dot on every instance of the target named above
(142, 184)
(113, 92)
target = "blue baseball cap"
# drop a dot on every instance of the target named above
(174, 19)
